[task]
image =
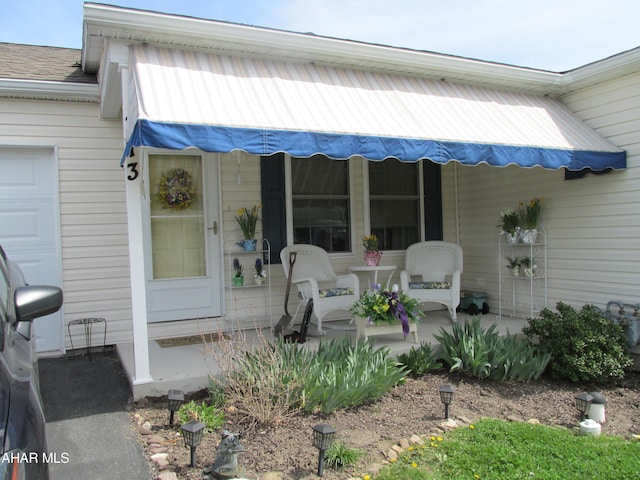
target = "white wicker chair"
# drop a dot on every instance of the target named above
(315, 279)
(432, 274)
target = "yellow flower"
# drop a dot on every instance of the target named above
(411, 449)
(240, 212)
(472, 427)
(366, 477)
(432, 438)
(439, 439)
(393, 460)
(414, 465)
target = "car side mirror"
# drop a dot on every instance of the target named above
(33, 301)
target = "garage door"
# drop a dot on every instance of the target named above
(29, 226)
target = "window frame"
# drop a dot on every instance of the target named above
(351, 200)
(366, 194)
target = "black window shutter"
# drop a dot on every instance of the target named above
(273, 203)
(432, 200)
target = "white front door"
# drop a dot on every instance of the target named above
(182, 241)
(30, 225)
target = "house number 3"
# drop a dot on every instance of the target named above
(134, 171)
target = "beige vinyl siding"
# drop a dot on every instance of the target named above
(93, 220)
(240, 182)
(592, 224)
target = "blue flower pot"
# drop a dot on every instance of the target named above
(248, 245)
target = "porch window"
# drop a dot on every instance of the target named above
(394, 196)
(177, 216)
(320, 200)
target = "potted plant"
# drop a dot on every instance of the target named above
(514, 266)
(238, 277)
(380, 312)
(529, 216)
(247, 218)
(509, 225)
(261, 273)
(529, 268)
(372, 255)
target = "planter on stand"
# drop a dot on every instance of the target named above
(365, 330)
(529, 236)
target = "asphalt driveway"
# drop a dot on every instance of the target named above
(88, 427)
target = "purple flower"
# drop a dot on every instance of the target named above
(397, 309)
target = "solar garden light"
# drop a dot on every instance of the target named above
(446, 397)
(175, 399)
(583, 403)
(597, 408)
(192, 435)
(323, 436)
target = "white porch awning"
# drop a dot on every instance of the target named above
(181, 99)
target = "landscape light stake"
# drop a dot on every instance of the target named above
(323, 436)
(175, 400)
(583, 403)
(192, 435)
(446, 397)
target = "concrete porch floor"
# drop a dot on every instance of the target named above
(188, 368)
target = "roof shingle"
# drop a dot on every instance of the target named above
(32, 62)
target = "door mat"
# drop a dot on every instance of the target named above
(190, 340)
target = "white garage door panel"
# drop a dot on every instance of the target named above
(29, 226)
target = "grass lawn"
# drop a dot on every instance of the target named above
(500, 450)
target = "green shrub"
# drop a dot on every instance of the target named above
(339, 455)
(471, 349)
(419, 361)
(207, 414)
(584, 345)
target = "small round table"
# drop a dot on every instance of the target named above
(375, 269)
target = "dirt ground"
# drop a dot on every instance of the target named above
(411, 408)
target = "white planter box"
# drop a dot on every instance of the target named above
(365, 331)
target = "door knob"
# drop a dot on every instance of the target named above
(214, 228)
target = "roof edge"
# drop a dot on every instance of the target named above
(49, 90)
(106, 21)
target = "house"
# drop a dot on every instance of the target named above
(334, 138)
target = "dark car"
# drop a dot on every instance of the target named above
(22, 422)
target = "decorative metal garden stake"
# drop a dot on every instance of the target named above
(583, 403)
(446, 397)
(323, 436)
(192, 436)
(175, 400)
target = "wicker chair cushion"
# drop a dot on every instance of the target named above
(429, 285)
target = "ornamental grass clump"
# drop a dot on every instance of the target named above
(584, 345)
(343, 375)
(340, 455)
(481, 353)
(274, 379)
(420, 361)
